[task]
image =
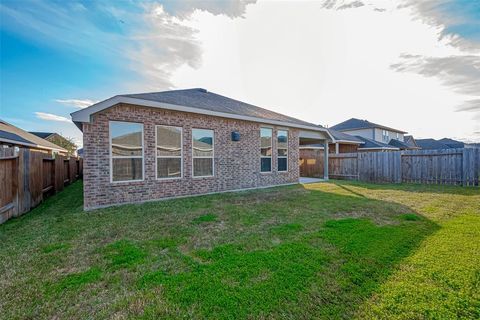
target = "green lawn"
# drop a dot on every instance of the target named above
(337, 250)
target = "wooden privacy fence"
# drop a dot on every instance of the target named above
(27, 177)
(449, 166)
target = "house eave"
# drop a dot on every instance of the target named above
(84, 115)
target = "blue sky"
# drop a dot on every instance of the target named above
(59, 56)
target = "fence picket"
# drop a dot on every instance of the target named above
(27, 177)
(448, 166)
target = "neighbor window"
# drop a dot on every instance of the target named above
(265, 150)
(385, 136)
(282, 150)
(169, 152)
(126, 149)
(203, 144)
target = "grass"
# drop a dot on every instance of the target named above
(336, 250)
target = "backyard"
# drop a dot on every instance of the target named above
(326, 250)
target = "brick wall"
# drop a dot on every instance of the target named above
(237, 163)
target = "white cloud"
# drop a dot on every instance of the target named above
(77, 103)
(51, 117)
(328, 65)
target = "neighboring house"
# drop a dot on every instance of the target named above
(141, 147)
(341, 143)
(445, 143)
(345, 143)
(454, 144)
(58, 140)
(375, 146)
(80, 152)
(369, 130)
(411, 142)
(14, 136)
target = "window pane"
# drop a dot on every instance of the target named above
(202, 167)
(265, 164)
(127, 169)
(266, 152)
(169, 141)
(202, 142)
(126, 138)
(169, 168)
(282, 164)
(282, 139)
(265, 137)
(282, 152)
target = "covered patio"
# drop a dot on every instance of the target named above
(320, 140)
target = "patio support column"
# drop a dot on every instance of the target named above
(325, 160)
(337, 148)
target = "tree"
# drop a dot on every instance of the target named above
(64, 142)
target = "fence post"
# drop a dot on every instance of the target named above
(325, 160)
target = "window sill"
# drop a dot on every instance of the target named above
(127, 182)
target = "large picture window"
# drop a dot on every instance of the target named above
(203, 148)
(265, 150)
(282, 150)
(126, 150)
(169, 152)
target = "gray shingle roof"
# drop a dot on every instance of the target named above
(23, 137)
(354, 123)
(13, 137)
(431, 144)
(410, 141)
(373, 144)
(452, 143)
(203, 99)
(344, 136)
(42, 135)
(445, 143)
(400, 144)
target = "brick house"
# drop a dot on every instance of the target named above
(143, 147)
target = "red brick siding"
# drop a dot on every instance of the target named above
(237, 164)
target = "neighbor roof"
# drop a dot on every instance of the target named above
(432, 144)
(344, 137)
(373, 144)
(198, 101)
(13, 135)
(452, 143)
(43, 135)
(354, 123)
(410, 141)
(401, 144)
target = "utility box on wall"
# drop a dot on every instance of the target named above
(235, 136)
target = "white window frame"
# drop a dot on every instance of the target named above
(385, 136)
(204, 157)
(281, 157)
(266, 157)
(169, 157)
(125, 157)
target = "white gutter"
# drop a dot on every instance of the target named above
(348, 141)
(84, 115)
(379, 148)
